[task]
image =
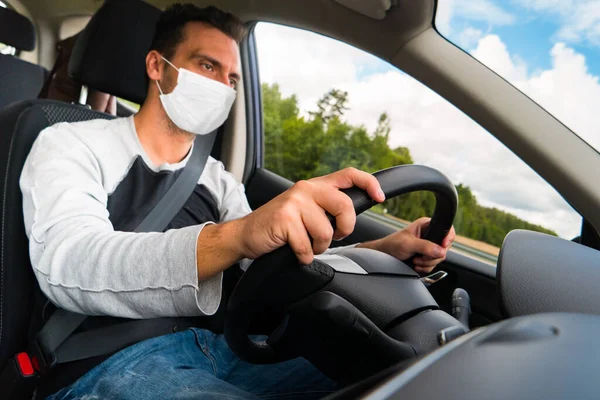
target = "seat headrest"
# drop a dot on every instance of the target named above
(110, 53)
(16, 30)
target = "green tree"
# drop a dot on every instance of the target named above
(333, 104)
(384, 127)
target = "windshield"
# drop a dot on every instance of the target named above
(548, 49)
(327, 105)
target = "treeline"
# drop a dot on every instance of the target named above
(301, 147)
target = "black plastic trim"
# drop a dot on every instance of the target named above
(542, 273)
(543, 356)
(589, 236)
(253, 100)
(470, 264)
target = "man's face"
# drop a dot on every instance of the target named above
(207, 51)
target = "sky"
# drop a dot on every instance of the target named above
(549, 49)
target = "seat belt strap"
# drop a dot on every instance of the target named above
(54, 343)
(169, 205)
(112, 338)
(55, 331)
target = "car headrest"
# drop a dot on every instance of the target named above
(110, 53)
(16, 30)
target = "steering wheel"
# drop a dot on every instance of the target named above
(278, 279)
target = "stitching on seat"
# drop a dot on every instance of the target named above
(10, 149)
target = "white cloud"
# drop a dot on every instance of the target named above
(469, 37)
(579, 19)
(443, 16)
(483, 10)
(307, 64)
(493, 52)
(568, 91)
(438, 134)
(472, 10)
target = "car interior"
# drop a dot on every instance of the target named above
(22, 80)
(522, 329)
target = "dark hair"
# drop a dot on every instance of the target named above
(169, 29)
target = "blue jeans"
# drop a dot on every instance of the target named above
(195, 364)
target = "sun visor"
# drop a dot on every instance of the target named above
(375, 9)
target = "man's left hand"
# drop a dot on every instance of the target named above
(407, 243)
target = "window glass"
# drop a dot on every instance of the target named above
(547, 49)
(327, 105)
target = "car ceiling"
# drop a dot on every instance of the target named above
(380, 37)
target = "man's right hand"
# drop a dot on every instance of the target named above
(293, 218)
(298, 214)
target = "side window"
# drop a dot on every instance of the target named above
(327, 106)
(4, 49)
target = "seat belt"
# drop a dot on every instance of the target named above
(169, 205)
(55, 344)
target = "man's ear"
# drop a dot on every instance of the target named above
(154, 66)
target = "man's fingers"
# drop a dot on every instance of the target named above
(427, 248)
(298, 239)
(424, 265)
(449, 238)
(340, 206)
(423, 262)
(350, 177)
(418, 227)
(319, 228)
(424, 223)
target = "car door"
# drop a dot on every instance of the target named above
(304, 120)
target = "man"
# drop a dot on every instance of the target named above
(87, 185)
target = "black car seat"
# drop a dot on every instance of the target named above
(19, 79)
(110, 57)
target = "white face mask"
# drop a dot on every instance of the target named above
(197, 104)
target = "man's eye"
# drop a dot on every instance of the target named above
(232, 83)
(207, 67)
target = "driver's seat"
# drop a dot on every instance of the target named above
(109, 56)
(21, 123)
